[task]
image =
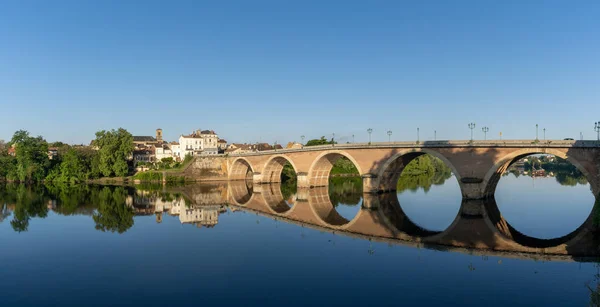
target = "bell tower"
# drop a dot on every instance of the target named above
(159, 135)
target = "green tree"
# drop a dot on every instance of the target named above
(321, 141)
(31, 155)
(167, 160)
(72, 168)
(114, 148)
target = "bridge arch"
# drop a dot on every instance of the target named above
(240, 168)
(274, 166)
(389, 173)
(493, 176)
(318, 174)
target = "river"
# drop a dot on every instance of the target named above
(238, 244)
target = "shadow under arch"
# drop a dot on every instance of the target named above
(497, 221)
(391, 170)
(241, 192)
(320, 169)
(274, 167)
(493, 176)
(240, 167)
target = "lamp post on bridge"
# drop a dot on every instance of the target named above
(353, 139)
(485, 131)
(418, 137)
(471, 126)
(333, 139)
(597, 129)
(435, 135)
(536, 132)
(544, 134)
(302, 137)
(389, 133)
(369, 131)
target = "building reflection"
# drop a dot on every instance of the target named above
(197, 205)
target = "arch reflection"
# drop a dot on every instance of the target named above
(478, 226)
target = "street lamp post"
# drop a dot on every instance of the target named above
(544, 134)
(485, 131)
(597, 129)
(369, 131)
(471, 126)
(536, 132)
(333, 139)
(389, 133)
(302, 137)
(435, 135)
(353, 139)
(418, 137)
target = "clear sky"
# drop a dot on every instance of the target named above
(275, 70)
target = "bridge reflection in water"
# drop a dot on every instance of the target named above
(478, 227)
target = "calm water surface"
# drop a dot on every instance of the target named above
(109, 246)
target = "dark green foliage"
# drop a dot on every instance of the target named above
(114, 148)
(288, 188)
(288, 174)
(32, 160)
(343, 166)
(345, 190)
(321, 141)
(113, 213)
(8, 166)
(148, 176)
(423, 172)
(29, 202)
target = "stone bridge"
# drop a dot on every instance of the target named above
(477, 165)
(478, 224)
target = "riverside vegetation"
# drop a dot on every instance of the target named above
(72, 164)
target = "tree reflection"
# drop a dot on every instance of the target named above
(113, 213)
(345, 190)
(29, 202)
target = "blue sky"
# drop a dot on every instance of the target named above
(275, 70)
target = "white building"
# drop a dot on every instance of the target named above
(198, 143)
(163, 151)
(176, 151)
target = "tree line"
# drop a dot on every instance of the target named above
(26, 159)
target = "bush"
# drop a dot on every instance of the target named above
(148, 176)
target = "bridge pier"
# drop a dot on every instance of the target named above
(256, 178)
(302, 180)
(370, 183)
(472, 188)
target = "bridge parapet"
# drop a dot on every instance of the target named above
(437, 144)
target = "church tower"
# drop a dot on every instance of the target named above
(159, 135)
